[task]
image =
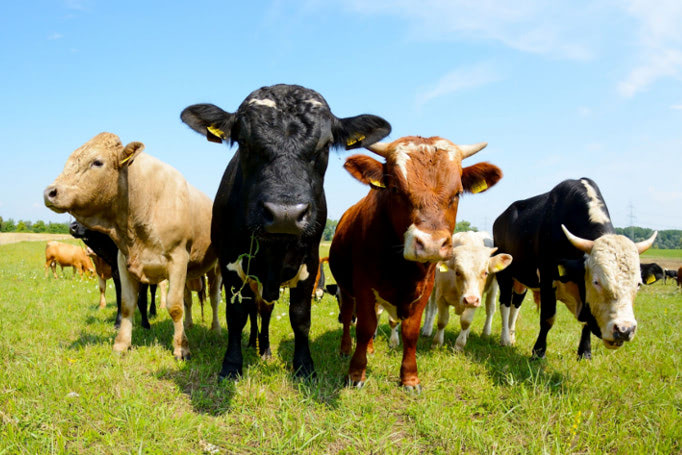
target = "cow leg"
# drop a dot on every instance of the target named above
(152, 301)
(102, 289)
(299, 315)
(410, 331)
(505, 282)
(163, 292)
(378, 309)
(265, 312)
(129, 290)
(430, 315)
(394, 341)
(585, 346)
(465, 321)
(490, 300)
(364, 330)
(142, 305)
(214, 284)
(187, 302)
(517, 300)
(235, 315)
(346, 308)
(177, 277)
(443, 319)
(547, 313)
(117, 287)
(253, 326)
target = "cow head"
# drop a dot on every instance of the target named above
(419, 186)
(612, 278)
(471, 264)
(89, 182)
(284, 134)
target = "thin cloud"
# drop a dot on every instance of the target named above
(460, 79)
(677, 107)
(55, 36)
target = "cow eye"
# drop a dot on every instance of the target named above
(97, 163)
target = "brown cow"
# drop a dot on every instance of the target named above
(159, 222)
(103, 271)
(67, 255)
(387, 245)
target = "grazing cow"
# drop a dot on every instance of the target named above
(565, 247)
(386, 246)
(669, 274)
(106, 251)
(651, 273)
(158, 221)
(67, 255)
(270, 209)
(461, 282)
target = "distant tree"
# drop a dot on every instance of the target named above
(465, 226)
(9, 226)
(329, 229)
(39, 226)
(21, 226)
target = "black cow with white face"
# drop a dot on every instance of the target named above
(565, 248)
(270, 209)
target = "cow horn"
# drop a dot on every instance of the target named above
(583, 245)
(380, 148)
(646, 244)
(468, 150)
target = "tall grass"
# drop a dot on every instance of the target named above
(63, 390)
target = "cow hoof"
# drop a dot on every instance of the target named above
(266, 355)
(585, 356)
(305, 372)
(231, 375)
(120, 348)
(459, 348)
(146, 325)
(538, 355)
(186, 356)
(355, 384)
(413, 389)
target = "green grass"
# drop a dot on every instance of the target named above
(669, 254)
(63, 390)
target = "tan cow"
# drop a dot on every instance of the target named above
(103, 272)
(67, 255)
(160, 223)
(461, 282)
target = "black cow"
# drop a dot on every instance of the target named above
(669, 274)
(651, 273)
(105, 248)
(270, 209)
(565, 246)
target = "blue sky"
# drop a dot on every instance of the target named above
(560, 90)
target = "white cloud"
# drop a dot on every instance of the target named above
(659, 44)
(677, 107)
(55, 36)
(459, 79)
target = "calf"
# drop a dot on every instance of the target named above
(672, 274)
(386, 246)
(461, 282)
(158, 221)
(67, 255)
(270, 210)
(651, 273)
(565, 247)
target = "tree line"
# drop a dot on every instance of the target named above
(665, 240)
(29, 226)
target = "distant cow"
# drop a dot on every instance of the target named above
(651, 273)
(106, 251)
(461, 282)
(158, 221)
(386, 246)
(672, 274)
(565, 246)
(270, 209)
(67, 255)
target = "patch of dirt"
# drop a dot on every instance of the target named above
(14, 237)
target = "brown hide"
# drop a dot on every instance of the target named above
(386, 246)
(67, 255)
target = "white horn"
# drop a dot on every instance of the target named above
(583, 245)
(380, 148)
(646, 244)
(468, 150)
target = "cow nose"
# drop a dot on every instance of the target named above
(285, 219)
(624, 333)
(471, 300)
(50, 193)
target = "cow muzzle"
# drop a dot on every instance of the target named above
(285, 219)
(424, 246)
(621, 331)
(51, 198)
(471, 301)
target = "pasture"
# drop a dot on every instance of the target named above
(63, 389)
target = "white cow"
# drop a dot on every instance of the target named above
(461, 281)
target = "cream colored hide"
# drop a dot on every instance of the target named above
(461, 282)
(198, 285)
(160, 223)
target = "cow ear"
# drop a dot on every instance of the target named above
(499, 262)
(367, 170)
(480, 177)
(209, 120)
(129, 153)
(359, 131)
(571, 270)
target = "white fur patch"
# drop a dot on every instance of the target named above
(390, 309)
(263, 102)
(237, 268)
(314, 102)
(302, 275)
(402, 156)
(595, 207)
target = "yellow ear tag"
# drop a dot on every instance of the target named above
(124, 160)
(479, 186)
(376, 183)
(214, 134)
(650, 279)
(355, 139)
(499, 266)
(562, 270)
(442, 267)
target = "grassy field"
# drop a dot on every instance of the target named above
(63, 390)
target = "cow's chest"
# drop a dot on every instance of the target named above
(569, 294)
(147, 266)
